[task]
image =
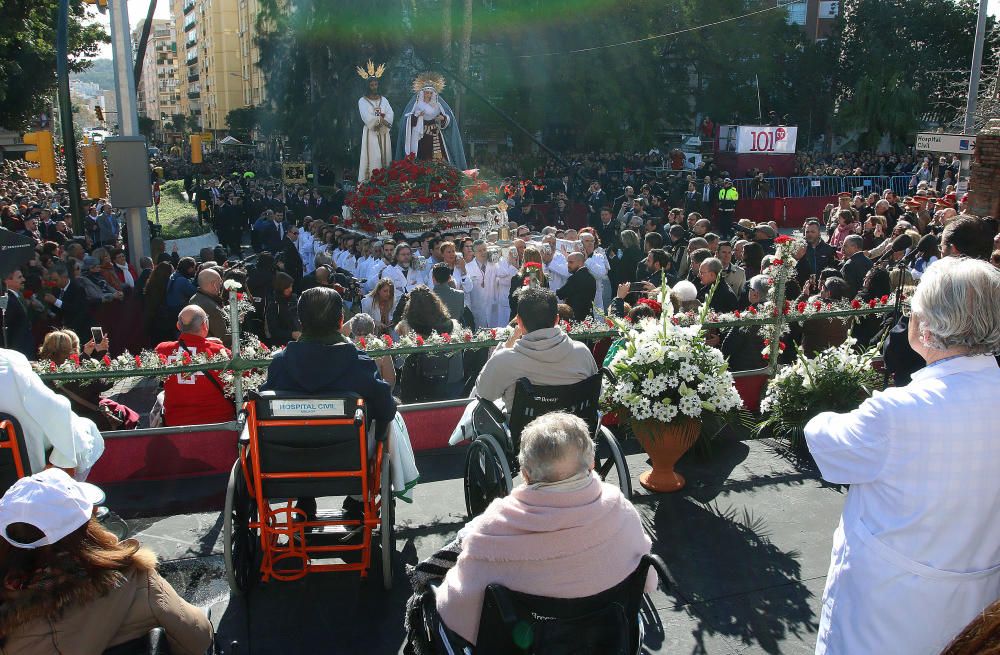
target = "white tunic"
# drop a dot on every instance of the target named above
(486, 291)
(917, 553)
(48, 422)
(403, 281)
(598, 266)
(557, 271)
(376, 146)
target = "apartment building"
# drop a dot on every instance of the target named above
(158, 94)
(210, 62)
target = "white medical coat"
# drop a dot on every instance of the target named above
(917, 553)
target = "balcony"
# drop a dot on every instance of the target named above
(194, 94)
(193, 57)
(189, 23)
(193, 78)
(188, 6)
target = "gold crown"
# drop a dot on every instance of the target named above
(371, 71)
(429, 79)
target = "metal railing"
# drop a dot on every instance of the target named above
(821, 185)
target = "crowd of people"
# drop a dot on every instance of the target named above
(316, 284)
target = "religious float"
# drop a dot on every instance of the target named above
(416, 195)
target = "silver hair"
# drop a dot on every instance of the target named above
(323, 258)
(362, 325)
(957, 304)
(714, 264)
(855, 240)
(759, 284)
(548, 441)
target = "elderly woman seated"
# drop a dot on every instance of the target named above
(562, 533)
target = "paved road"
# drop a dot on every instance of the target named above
(748, 542)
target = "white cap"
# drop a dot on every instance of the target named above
(51, 501)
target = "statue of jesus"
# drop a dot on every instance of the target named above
(429, 129)
(376, 113)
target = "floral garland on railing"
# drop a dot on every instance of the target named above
(801, 310)
(151, 363)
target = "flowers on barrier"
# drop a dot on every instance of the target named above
(837, 379)
(664, 372)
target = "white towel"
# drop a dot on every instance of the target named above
(405, 475)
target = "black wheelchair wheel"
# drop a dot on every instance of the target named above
(241, 544)
(609, 462)
(487, 474)
(387, 519)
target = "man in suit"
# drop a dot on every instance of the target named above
(108, 227)
(731, 273)
(229, 224)
(596, 200)
(452, 298)
(16, 327)
(288, 258)
(658, 267)
(707, 194)
(856, 265)
(580, 288)
(273, 231)
(68, 300)
(819, 254)
(723, 300)
(608, 230)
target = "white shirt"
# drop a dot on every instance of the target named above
(46, 419)
(557, 271)
(917, 553)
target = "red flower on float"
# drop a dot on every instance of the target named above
(801, 307)
(420, 340)
(855, 304)
(782, 238)
(388, 341)
(446, 337)
(106, 360)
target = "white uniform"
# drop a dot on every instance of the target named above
(306, 244)
(48, 422)
(917, 553)
(486, 291)
(557, 271)
(374, 274)
(598, 266)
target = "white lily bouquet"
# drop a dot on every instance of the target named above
(838, 379)
(666, 373)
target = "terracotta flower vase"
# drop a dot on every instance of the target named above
(665, 443)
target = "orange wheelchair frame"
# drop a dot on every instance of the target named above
(10, 442)
(284, 531)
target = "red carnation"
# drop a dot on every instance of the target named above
(468, 337)
(765, 356)
(52, 366)
(855, 304)
(420, 340)
(388, 341)
(767, 342)
(736, 313)
(801, 307)
(777, 262)
(163, 358)
(884, 299)
(106, 360)
(361, 342)
(784, 238)
(752, 310)
(781, 345)
(187, 357)
(138, 361)
(872, 303)
(818, 305)
(239, 295)
(75, 358)
(446, 337)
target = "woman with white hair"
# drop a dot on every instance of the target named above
(917, 553)
(562, 533)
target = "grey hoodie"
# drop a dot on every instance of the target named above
(547, 357)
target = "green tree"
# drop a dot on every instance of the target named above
(28, 58)
(889, 49)
(147, 127)
(179, 122)
(242, 121)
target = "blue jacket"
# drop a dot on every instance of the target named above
(315, 368)
(179, 291)
(268, 236)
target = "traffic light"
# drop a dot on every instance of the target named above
(44, 155)
(93, 170)
(195, 148)
(102, 5)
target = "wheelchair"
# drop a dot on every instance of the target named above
(14, 465)
(607, 623)
(294, 446)
(491, 461)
